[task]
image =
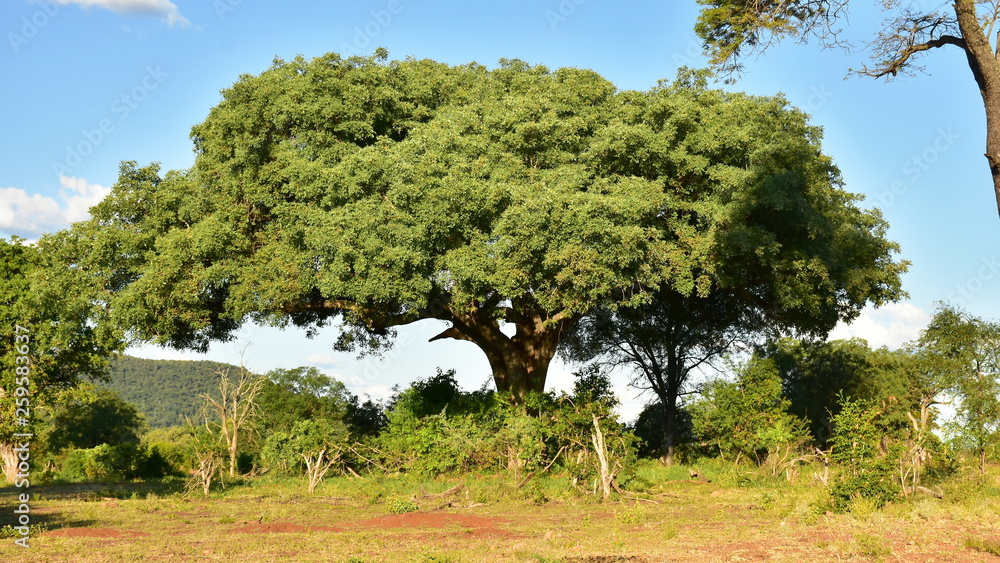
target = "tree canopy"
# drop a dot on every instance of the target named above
(734, 29)
(376, 194)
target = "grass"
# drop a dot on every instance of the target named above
(676, 518)
(986, 546)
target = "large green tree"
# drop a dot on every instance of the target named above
(48, 342)
(734, 29)
(379, 193)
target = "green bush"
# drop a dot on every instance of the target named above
(485, 431)
(748, 418)
(867, 470)
(114, 463)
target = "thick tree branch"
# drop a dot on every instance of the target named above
(895, 66)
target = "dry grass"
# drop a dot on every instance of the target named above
(491, 520)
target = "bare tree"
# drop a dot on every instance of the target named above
(235, 408)
(734, 29)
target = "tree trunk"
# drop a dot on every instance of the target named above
(992, 104)
(520, 363)
(523, 371)
(232, 456)
(9, 459)
(669, 403)
(986, 69)
(669, 389)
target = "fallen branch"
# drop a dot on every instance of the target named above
(373, 462)
(624, 493)
(526, 479)
(927, 491)
(449, 492)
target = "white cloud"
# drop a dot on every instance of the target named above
(30, 215)
(892, 325)
(162, 9)
(324, 360)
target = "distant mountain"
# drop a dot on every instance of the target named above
(165, 391)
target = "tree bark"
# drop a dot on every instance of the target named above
(520, 363)
(669, 428)
(986, 69)
(668, 390)
(9, 459)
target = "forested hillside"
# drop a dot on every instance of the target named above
(165, 391)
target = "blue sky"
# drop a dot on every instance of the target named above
(89, 83)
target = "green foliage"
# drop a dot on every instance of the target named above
(960, 353)
(386, 192)
(366, 419)
(57, 344)
(304, 393)
(287, 451)
(173, 444)
(114, 463)
(485, 431)
(866, 471)
(735, 28)
(748, 418)
(88, 416)
(815, 375)
(648, 428)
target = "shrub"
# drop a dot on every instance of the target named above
(114, 463)
(484, 430)
(867, 471)
(749, 418)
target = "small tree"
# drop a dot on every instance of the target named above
(236, 408)
(206, 451)
(867, 470)
(314, 444)
(302, 393)
(88, 416)
(962, 354)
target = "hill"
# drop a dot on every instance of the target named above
(165, 391)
